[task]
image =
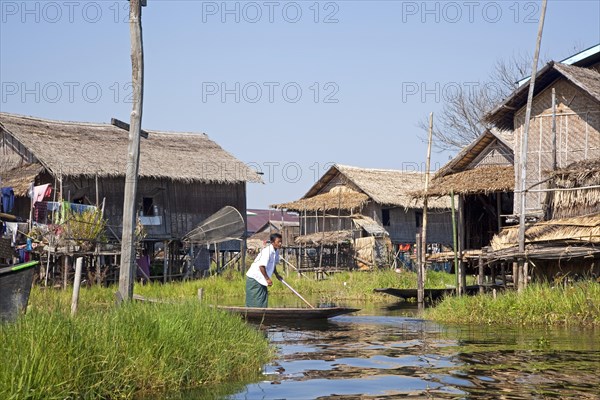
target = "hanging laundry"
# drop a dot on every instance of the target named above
(40, 212)
(11, 229)
(8, 199)
(41, 192)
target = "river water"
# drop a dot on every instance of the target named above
(386, 351)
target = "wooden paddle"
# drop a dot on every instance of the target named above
(296, 293)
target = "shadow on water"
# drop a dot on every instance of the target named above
(386, 351)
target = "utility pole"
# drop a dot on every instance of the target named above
(423, 264)
(523, 160)
(127, 268)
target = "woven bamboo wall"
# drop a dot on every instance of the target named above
(577, 131)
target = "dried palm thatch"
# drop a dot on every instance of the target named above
(90, 149)
(20, 178)
(583, 229)
(584, 201)
(341, 197)
(330, 238)
(481, 180)
(390, 187)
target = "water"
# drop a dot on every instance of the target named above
(386, 352)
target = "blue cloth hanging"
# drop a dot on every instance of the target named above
(8, 199)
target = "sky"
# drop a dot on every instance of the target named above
(288, 87)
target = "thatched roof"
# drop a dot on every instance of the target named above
(330, 238)
(489, 179)
(361, 185)
(87, 149)
(469, 153)
(20, 178)
(580, 174)
(586, 79)
(340, 197)
(584, 229)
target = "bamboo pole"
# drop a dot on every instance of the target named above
(524, 140)
(127, 267)
(76, 285)
(423, 264)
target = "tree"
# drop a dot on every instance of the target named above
(460, 121)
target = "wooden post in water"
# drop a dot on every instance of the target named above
(524, 143)
(454, 241)
(480, 279)
(127, 266)
(420, 280)
(76, 285)
(423, 263)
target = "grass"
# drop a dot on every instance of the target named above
(539, 304)
(354, 285)
(125, 352)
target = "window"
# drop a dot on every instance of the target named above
(385, 217)
(419, 218)
(148, 206)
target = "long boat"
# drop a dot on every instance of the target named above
(288, 314)
(433, 294)
(15, 285)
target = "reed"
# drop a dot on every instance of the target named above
(539, 304)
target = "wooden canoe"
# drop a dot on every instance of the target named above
(433, 294)
(288, 314)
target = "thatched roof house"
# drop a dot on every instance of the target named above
(345, 192)
(351, 188)
(81, 149)
(184, 177)
(485, 166)
(577, 120)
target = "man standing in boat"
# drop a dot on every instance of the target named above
(258, 277)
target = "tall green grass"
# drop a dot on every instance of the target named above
(123, 352)
(539, 304)
(353, 285)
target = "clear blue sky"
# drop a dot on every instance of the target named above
(356, 63)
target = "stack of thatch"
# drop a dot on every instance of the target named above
(584, 201)
(330, 238)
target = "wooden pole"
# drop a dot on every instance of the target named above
(461, 244)
(420, 280)
(554, 158)
(480, 278)
(454, 241)
(165, 260)
(76, 285)
(127, 267)
(524, 140)
(423, 264)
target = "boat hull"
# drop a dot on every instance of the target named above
(15, 286)
(288, 314)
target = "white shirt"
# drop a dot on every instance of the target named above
(268, 257)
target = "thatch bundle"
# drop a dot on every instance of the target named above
(576, 202)
(341, 197)
(330, 238)
(482, 180)
(20, 178)
(90, 149)
(583, 229)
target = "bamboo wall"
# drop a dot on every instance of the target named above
(577, 133)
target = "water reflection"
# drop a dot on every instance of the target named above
(382, 353)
